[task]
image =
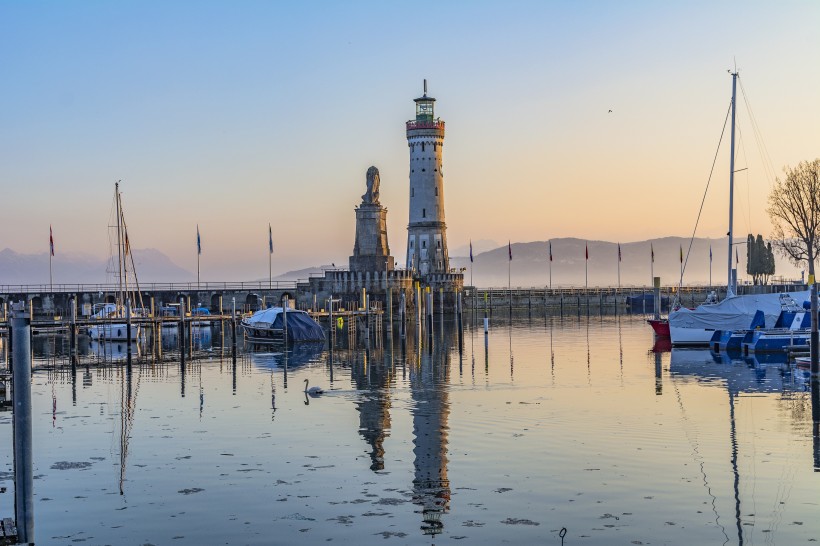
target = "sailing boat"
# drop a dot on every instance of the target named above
(115, 318)
(697, 326)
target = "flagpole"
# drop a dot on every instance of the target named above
(550, 265)
(586, 268)
(198, 254)
(651, 265)
(50, 256)
(509, 275)
(619, 266)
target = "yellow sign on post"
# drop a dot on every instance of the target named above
(811, 280)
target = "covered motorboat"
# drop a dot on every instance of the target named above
(268, 325)
(697, 326)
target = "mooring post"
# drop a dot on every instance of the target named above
(366, 319)
(460, 319)
(285, 320)
(441, 301)
(330, 325)
(402, 315)
(418, 302)
(21, 381)
(233, 331)
(72, 334)
(182, 331)
(656, 283)
(389, 326)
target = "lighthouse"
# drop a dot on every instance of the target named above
(426, 231)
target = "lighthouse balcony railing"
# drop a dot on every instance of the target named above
(425, 124)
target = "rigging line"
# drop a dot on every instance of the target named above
(711, 172)
(768, 166)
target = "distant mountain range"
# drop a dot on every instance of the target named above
(151, 264)
(530, 266)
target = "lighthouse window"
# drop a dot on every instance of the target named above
(412, 192)
(422, 146)
(424, 170)
(424, 213)
(434, 147)
(424, 244)
(438, 244)
(436, 191)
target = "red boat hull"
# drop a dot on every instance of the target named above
(661, 327)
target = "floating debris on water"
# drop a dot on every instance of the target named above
(191, 491)
(65, 465)
(516, 521)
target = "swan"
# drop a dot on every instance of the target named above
(313, 391)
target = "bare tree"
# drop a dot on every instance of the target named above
(794, 209)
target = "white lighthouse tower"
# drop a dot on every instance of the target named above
(426, 233)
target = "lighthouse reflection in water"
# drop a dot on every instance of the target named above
(579, 422)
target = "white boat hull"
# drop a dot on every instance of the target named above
(692, 337)
(113, 332)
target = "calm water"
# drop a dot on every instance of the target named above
(556, 423)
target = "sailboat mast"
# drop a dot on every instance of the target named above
(120, 298)
(730, 285)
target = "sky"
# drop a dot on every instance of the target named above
(233, 115)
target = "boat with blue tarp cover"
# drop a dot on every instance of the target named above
(268, 325)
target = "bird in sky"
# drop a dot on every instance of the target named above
(609, 112)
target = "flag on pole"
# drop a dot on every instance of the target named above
(550, 250)
(586, 251)
(737, 258)
(652, 250)
(51, 239)
(198, 241)
(619, 252)
(270, 239)
(509, 249)
(681, 253)
(471, 251)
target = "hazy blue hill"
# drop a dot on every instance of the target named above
(70, 268)
(530, 265)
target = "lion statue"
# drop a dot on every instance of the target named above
(372, 195)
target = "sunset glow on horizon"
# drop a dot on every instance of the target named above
(589, 120)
